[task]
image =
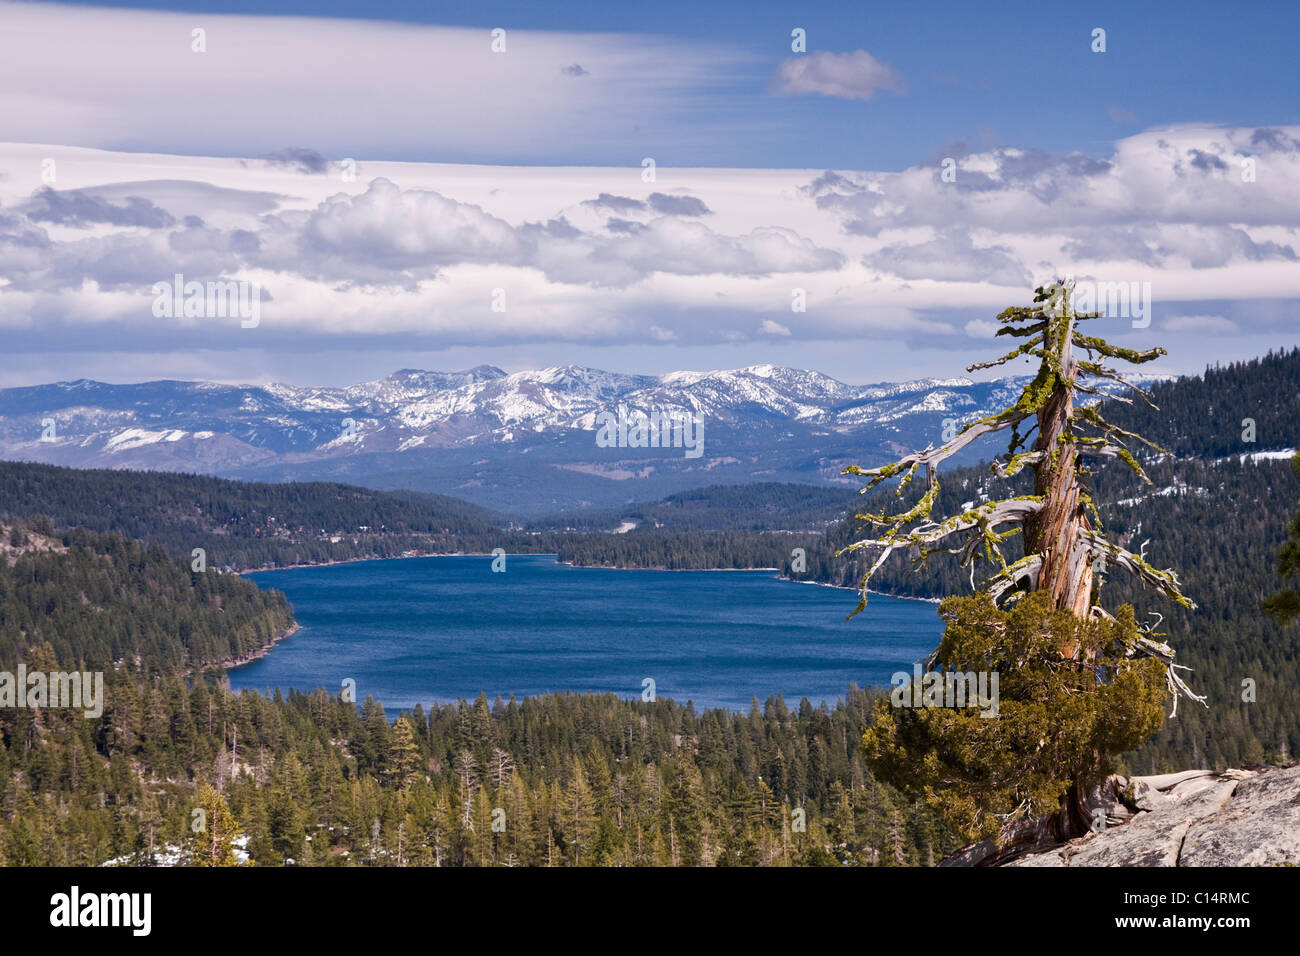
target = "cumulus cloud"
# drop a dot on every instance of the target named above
(1171, 177)
(615, 203)
(951, 257)
(122, 260)
(663, 203)
(1205, 162)
(853, 76)
(387, 229)
(1202, 246)
(1207, 247)
(1105, 244)
(622, 225)
(1273, 140)
(677, 205)
(599, 256)
(684, 248)
(832, 183)
(389, 236)
(72, 208)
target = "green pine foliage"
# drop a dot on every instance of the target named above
(212, 830)
(1058, 720)
(1285, 604)
(595, 781)
(102, 602)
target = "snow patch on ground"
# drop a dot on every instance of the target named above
(172, 855)
(1258, 456)
(138, 437)
(1162, 493)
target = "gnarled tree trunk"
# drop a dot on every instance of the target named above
(1055, 531)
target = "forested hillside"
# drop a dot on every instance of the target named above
(246, 526)
(250, 525)
(683, 550)
(1205, 416)
(102, 602)
(766, 506)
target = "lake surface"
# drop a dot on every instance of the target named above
(440, 629)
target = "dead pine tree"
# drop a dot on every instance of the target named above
(1059, 524)
(501, 768)
(468, 771)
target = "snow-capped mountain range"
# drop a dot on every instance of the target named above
(522, 442)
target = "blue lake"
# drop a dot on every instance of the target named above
(420, 630)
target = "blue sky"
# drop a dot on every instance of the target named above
(126, 158)
(1014, 73)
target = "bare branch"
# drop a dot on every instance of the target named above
(1097, 370)
(987, 518)
(1093, 418)
(933, 456)
(1165, 582)
(1104, 449)
(1102, 347)
(1029, 348)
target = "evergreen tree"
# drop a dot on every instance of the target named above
(1055, 733)
(212, 844)
(1058, 722)
(403, 754)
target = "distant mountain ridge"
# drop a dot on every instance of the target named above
(521, 442)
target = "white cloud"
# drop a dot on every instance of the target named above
(387, 229)
(408, 255)
(951, 257)
(981, 329)
(1201, 325)
(128, 79)
(1154, 177)
(384, 236)
(853, 76)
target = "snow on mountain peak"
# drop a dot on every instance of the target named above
(417, 410)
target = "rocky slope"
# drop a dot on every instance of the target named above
(1195, 818)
